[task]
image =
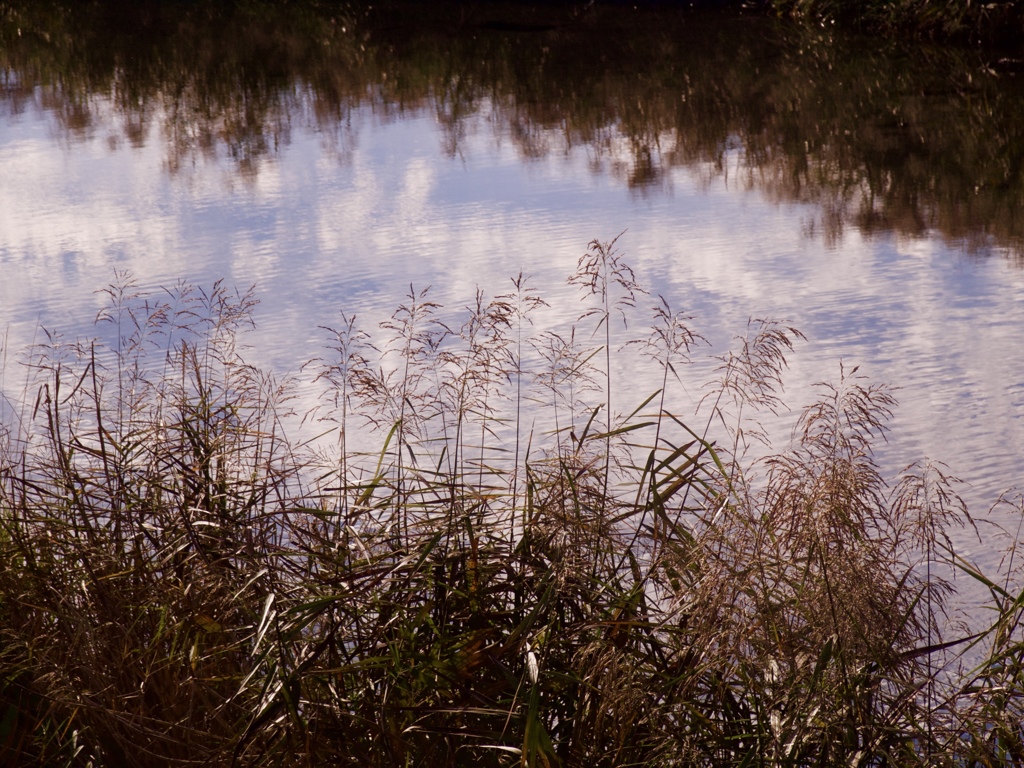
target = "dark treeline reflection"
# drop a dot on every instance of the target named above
(905, 139)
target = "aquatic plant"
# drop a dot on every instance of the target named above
(189, 571)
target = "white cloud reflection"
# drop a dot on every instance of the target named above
(317, 235)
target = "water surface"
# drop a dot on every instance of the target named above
(871, 196)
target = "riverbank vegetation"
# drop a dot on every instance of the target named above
(480, 546)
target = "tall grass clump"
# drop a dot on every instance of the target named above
(476, 547)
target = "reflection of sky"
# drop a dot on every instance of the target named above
(317, 233)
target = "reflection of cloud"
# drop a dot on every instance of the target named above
(915, 247)
(316, 237)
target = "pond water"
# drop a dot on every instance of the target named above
(870, 196)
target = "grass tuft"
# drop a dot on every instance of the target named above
(515, 572)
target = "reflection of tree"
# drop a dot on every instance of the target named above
(877, 139)
(220, 82)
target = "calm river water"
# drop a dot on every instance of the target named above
(871, 197)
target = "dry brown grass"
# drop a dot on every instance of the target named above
(182, 584)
